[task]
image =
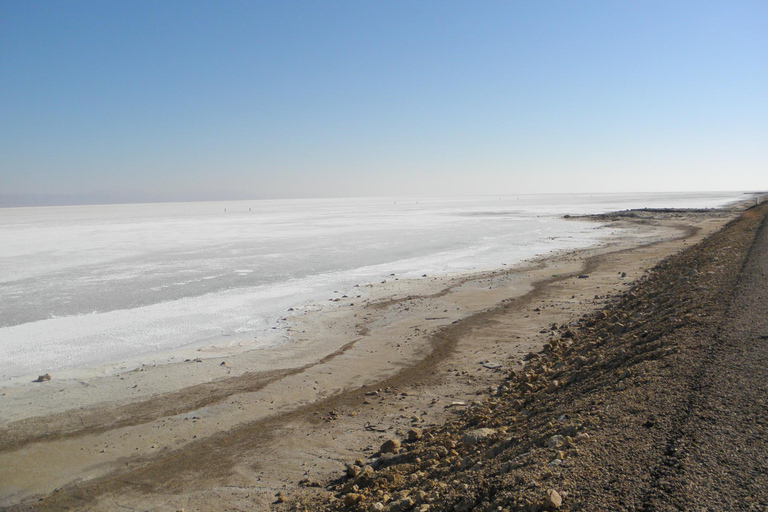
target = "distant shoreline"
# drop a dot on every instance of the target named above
(110, 198)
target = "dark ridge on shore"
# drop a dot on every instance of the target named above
(655, 403)
(649, 213)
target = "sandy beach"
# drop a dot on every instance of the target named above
(241, 430)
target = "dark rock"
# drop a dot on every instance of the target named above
(414, 434)
(475, 436)
(390, 446)
(554, 500)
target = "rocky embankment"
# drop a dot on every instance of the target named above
(657, 402)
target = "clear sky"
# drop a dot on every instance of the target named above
(177, 100)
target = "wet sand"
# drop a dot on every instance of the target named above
(239, 427)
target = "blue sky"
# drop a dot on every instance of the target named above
(210, 100)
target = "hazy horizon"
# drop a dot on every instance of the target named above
(107, 199)
(177, 101)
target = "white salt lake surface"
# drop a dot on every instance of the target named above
(88, 285)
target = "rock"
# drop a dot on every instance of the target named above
(552, 387)
(365, 476)
(414, 434)
(352, 498)
(390, 446)
(475, 436)
(436, 453)
(352, 470)
(581, 437)
(44, 378)
(583, 276)
(554, 501)
(618, 328)
(377, 507)
(463, 506)
(401, 505)
(554, 441)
